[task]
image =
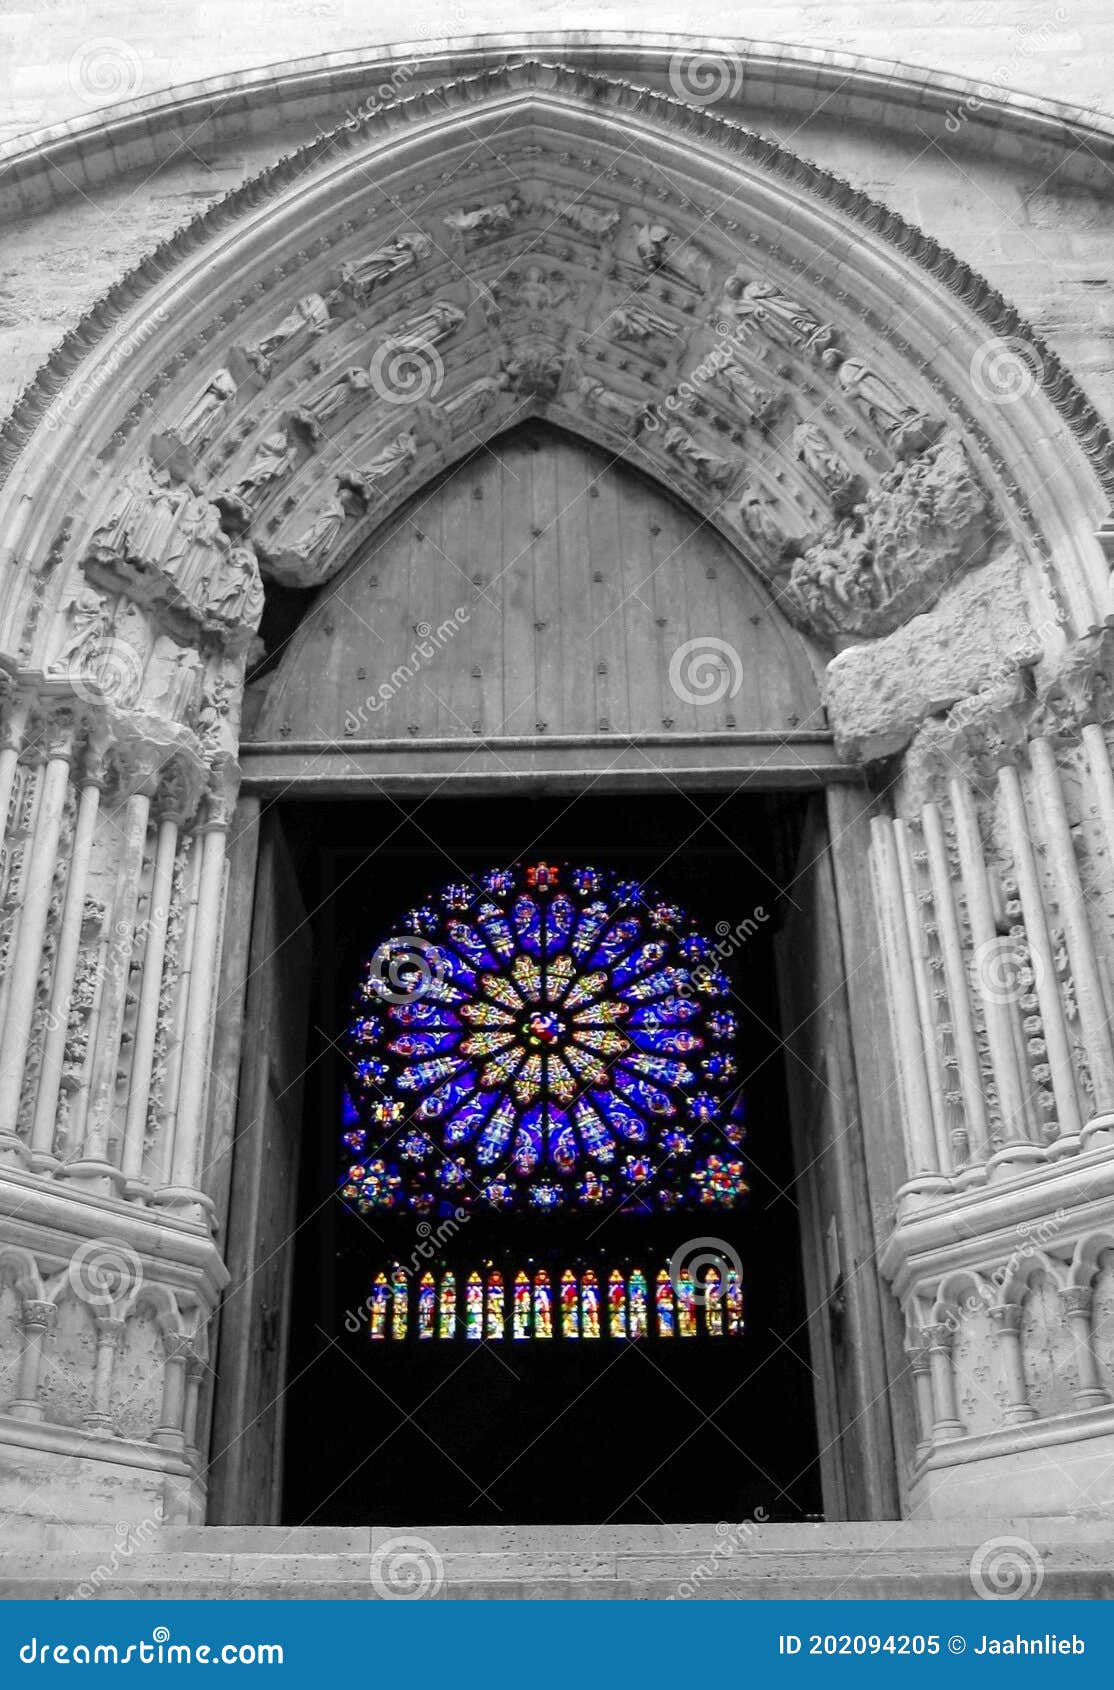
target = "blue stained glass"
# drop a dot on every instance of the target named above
(545, 1029)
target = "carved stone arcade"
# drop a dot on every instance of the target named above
(288, 407)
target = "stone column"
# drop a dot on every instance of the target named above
(946, 1424)
(13, 725)
(32, 926)
(110, 1330)
(921, 1362)
(922, 989)
(1007, 1320)
(169, 1432)
(135, 1125)
(1040, 946)
(958, 986)
(69, 945)
(1093, 1018)
(38, 1319)
(1017, 1148)
(1090, 1392)
(189, 1128)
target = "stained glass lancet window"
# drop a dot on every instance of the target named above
(546, 1038)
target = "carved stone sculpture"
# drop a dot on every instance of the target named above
(89, 622)
(600, 223)
(349, 386)
(783, 319)
(696, 460)
(639, 323)
(662, 253)
(197, 427)
(758, 518)
(273, 461)
(908, 429)
(361, 277)
(821, 459)
(466, 408)
(610, 407)
(437, 320)
(234, 591)
(758, 404)
(309, 318)
(397, 455)
(484, 222)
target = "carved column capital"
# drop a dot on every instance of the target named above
(1007, 1317)
(1077, 1300)
(38, 1315)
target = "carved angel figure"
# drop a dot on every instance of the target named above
(398, 453)
(140, 523)
(638, 322)
(818, 456)
(661, 253)
(614, 408)
(274, 459)
(89, 624)
(348, 386)
(586, 218)
(234, 591)
(758, 403)
(784, 319)
(310, 317)
(484, 222)
(197, 427)
(362, 276)
(705, 466)
(473, 401)
(434, 323)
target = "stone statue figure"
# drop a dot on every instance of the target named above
(475, 400)
(638, 322)
(586, 218)
(611, 407)
(234, 591)
(818, 456)
(310, 317)
(140, 523)
(89, 621)
(661, 253)
(705, 466)
(485, 221)
(349, 385)
(437, 320)
(273, 460)
(760, 405)
(784, 319)
(398, 453)
(360, 277)
(757, 517)
(908, 429)
(197, 427)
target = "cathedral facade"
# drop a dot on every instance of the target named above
(647, 424)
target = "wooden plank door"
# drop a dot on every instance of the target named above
(248, 1415)
(842, 1284)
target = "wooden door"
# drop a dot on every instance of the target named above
(842, 1285)
(248, 1413)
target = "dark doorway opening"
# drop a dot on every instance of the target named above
(498, 1433)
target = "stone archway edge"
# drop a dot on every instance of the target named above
(49, 161)
(952, 273)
